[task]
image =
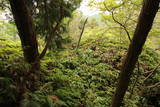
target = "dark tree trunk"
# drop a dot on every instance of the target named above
(147, 15)
(26, 30)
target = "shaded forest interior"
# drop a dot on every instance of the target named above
(79, 53)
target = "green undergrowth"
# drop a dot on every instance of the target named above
(86, 77)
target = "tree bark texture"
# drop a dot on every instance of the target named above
(145, 21)
(26, 29)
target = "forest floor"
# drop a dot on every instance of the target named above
(85, 77)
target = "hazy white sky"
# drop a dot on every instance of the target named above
(2, 16)
(86, 10)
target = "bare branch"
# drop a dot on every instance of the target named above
(152, 86)
(124, 27)
(152, 72)
(52, 31)
(115, 20)
(81, 33)
(49, 41)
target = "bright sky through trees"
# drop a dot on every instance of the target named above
(86, 10)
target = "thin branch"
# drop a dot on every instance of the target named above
(115, 20)
(52, 32)
(152, 72)
(152, 86)
(147, 72)
(124, 27)
(81, 33)
(49, 40)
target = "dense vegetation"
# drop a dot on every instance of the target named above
(62, 59)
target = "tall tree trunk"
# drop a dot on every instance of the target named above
(26, 30)
(147, 15)
(29, 43)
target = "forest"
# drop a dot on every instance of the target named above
(79, 53)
